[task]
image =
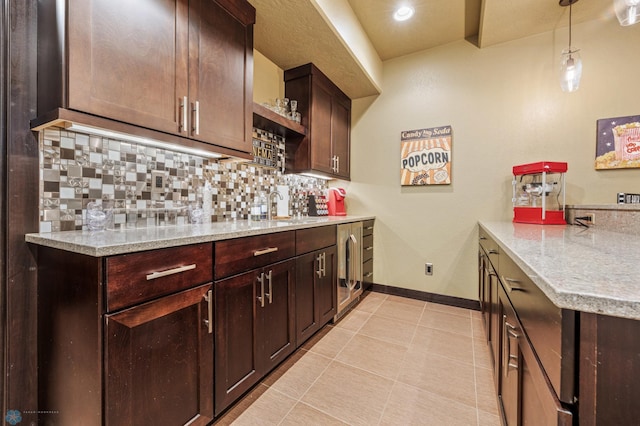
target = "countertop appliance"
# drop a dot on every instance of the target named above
(336, 202)
(349, 266)
(539, 193)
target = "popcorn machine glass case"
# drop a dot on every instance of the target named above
(539, 193)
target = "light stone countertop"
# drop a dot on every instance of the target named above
(587, 270)
(108, 243)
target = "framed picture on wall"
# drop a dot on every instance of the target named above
(425, 156)
(618, 143)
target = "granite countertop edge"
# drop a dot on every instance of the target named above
(115, 242)
(601, 293)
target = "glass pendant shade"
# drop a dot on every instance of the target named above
(570, 70)
(627, 11)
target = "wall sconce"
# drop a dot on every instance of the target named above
(570, 62)
(627, 11)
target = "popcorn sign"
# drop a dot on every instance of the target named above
(425, 157)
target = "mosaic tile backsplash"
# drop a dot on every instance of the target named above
(77, 169)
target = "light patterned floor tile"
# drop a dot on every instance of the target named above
(303, 414)
(388, 329)
(447, 322)
(354, 396)
(390, 361)
(333, 342)
(412, 406)
(401, 311)
(376, 356)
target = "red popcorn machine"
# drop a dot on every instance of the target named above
(539, 193)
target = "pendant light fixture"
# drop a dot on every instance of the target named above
(570, 62)
(627, 11)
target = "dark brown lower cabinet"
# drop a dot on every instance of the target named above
(157, 361)
(254, 328)
(315, 291)
(609, 370)
(146, 362)
(525, 395)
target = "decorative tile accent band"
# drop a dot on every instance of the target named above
(78, 168)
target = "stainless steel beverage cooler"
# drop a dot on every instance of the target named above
(349, 266)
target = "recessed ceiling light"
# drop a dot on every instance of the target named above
(403, 13)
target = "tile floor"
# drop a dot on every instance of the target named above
(390, 361)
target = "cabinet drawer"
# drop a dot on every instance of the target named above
(490, 247)
(139, 277)
(311, 239)
(367, 227)
(367, 248)
(550, 329)
(539, 404)
(243, 254)
(367, 271)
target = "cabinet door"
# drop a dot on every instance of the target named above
(315, 292)
(340, 137)
(236, 364)
(510, 361)
(158, 366)
(128, 60)
(308, 267)
(221, 74)
(326, 287)
(321, 152)
(277, 338)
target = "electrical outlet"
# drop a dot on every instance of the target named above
(158, 178)
(592, 218)
(428, 268)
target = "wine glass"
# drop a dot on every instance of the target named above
(294, 108)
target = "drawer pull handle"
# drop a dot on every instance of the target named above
(269, 295)
(265, 251)
(369, 275)
(261, 297)
(209, 321)
(161, 274)
(369, 248)
(183, 109)
(483, 238)
(508, 284)
(493, 252)
(369, 228)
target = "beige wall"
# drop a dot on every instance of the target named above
(268, 79)
(506, 107)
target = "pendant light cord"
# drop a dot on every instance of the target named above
(570, 8)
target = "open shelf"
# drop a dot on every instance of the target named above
(265, 119)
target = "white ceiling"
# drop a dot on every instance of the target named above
(294, 32)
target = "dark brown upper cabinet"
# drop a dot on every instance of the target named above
(183, 67)
(326, 112)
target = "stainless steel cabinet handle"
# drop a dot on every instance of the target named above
(209, 321)
(261, 297)
(511, 334)
(270, 294)
(369, 248)
(369, 274)
(319, 271)
(324, 264)
(265, 251)
(508, 283)
(494, 252)
(196, 118)
(183, 114)
(483, 238)
(337, 164)
(369, 228)
(172, 271)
